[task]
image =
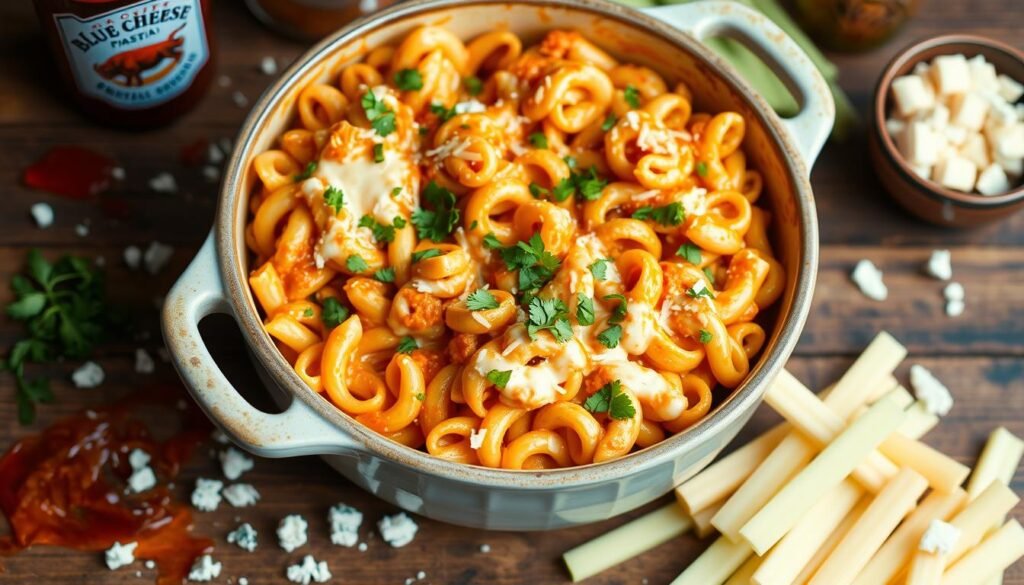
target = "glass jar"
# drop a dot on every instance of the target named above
(312, 19)
(852, 25)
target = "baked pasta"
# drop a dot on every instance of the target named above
(511, 257)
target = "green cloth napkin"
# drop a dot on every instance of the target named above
(761, 77)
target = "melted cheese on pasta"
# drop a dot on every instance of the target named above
(533, 386)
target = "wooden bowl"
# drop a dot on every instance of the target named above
(922, 197)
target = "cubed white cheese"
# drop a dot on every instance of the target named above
(921, 144)
(912, 94)
(144, 363)
(956, 173)
(894, 126)
(1000, 113)
(921, 68)
(975, 149)
(922, 171)
(476, 438)
(1014, 167)
(133, 257)
(164, 183)
(938, 118)
(1008, 141)
(42, 213)
(120, 555)
(1019, 109)
(206, 495)
(869, 279)
(940, 538)
(1010, 89)
(291, 532)
(309, 571)
(241, 495)
(397, 530)
(157, 256)
(268, 66)
(204, 569)
(88, 375)
(936, 397)
(968, 111)
(939, 265)
(950, 74)
(983, 74)
(345, 521)
(955, 135)
(234, 463)
(993, 181)
(244, 537)
(141, 480)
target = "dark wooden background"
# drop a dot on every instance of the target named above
(980, 355)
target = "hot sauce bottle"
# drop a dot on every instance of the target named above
(133, 63)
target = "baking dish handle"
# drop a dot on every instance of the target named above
(298, 430)
(714, 18)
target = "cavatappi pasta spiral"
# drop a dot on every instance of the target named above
(511, 257)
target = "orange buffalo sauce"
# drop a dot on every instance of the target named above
(130, 62)
(67, 487)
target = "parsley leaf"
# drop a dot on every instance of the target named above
(442, 112)
(536, 190)
(564, 189)
(710, 274)
(538, 140)
(584, 309)
(473, 224)
(424, 254)
(702, 169)
(690, 253)
(619, 314)
(407, 345)
(335, 198)
(611, 399)
(499, 378)
(705, 336)
(599, 268)
(551, 315)
(306, 172)
(609, 122)
(536, 265)
(409, 80)
(307, 313)
(436, 223)
(356, 264)
(399, 222)
(698, 290)
(381, 232)
(378, 153)
(491, 241)
(632, 96)
(480, 300)
(381, 117)
(570, 161)
(589, 184)
(396, 191)
(333, 312)
(473, 85)
(385, 274)
(671, 214)
(610, 337)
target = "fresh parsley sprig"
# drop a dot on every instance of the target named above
(611, 336)
(381, 117)
(668, 215)
(612, 400)
(536, 265)
(438, 222)
(550, 315)
(481, 300)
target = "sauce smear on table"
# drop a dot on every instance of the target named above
(68, 487)
(71, 171)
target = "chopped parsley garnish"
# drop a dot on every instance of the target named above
(381, 232)
(551, 315)
(306, 172)
(702, 169)
(570, 161)
(609, 122)
(64, 310)
(481, 300)
(378, 153)
(536, 265)
(333, 313)
(307, 313)
(442, 112)
(599, 268)
(473, 224)
(356, 264)
(385, 274)
(424, 254)
(420, 396)
(705, 336)
(499, 378)
(381, 117)
(407, 345)
(610, 337)
(589, 184)
(396, 191)
(690, 253)
(491, 241)
(409, 80)
(436, 223)
(473, 85)
(611, 399)
(399, 222)
(335, 198)
(699, 290)
(619, 314)
(671, 214)
(564, 189)
(632, 96)
(537, 191)
(538, 140)
(710, 274)
(584, 309)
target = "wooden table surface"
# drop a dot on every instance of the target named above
(980, 355)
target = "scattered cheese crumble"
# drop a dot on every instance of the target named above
(268, 66)
(309, 571)
(397, 530)
(157, 256)
(164, 183)
(245, 537)
(291, 532)
(133, 257)
(204, 569)
(141, 480)
(936, 397)
(43, 215)
(939, 265)
(143, 362)
(120, 555)
(476, 438)
(954, 293)
(485, 548)
(206, 496)
(234, 463)
(940, 538)
(241, 495)
(345, 521)
(868, 279)
(88, 375)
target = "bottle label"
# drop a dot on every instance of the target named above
(137, 56)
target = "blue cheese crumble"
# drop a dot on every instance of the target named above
(206, 496)
(345, 521)
(120, 555)
(204, 569)
(291, 532)
(234, 463)
(397, 530)
(245, 537)
(309, 571)
(241, 495)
